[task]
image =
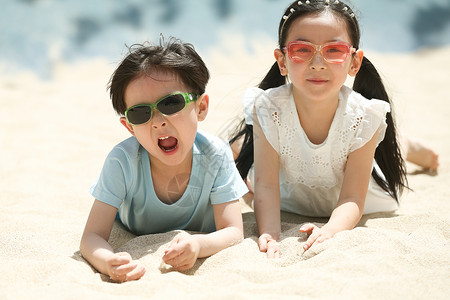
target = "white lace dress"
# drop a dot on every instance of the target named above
(311, 175)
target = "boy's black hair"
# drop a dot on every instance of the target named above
(172, 56)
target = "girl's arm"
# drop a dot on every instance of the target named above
(185, 248)
(267, 191)
(350, 206)
(95, 248)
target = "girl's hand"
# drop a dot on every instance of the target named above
(182, 252)
(316, 234)
(122, 268)
(269, 245)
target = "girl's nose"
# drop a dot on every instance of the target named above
(318, 62)
(158, 119)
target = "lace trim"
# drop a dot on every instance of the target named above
(355, 122)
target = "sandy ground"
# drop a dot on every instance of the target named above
(56, 133)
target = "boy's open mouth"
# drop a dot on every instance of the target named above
(167, 143)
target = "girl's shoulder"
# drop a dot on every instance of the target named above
(273, 99)
(278, 93)
(361, 119)
(356, 103)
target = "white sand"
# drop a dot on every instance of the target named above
(55, 135)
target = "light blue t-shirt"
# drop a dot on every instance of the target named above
(126, 183)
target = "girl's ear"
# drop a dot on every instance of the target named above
(356, 63)
(281, 60)
(127, 125)
(202, 107)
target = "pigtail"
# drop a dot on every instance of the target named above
(245, 159)
(273, 78)
(387, 155)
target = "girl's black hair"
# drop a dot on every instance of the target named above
(367, 82)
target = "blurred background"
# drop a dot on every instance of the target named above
(38, 34)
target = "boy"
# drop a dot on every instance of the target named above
(167, 176)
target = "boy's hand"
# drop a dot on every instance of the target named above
(269, 245)
(182, 252)
(316, 234)
(122, 268)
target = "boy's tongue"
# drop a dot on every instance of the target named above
(167, 144)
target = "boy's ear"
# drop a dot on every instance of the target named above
(127, 125)
(281, 60)
(356, 63)
(202, 107)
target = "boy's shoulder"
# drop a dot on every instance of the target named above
(209, 145)
(127, 149)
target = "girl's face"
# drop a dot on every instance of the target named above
(168, 139)
(318, 79)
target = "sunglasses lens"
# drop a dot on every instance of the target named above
(335, 52)
(171, 104)
(139, 114)
(299, 52)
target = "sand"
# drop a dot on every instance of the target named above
(55, 134)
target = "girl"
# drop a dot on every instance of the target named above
(320, 148)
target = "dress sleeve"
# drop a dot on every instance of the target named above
(249, 103)
(371, 120)
(267, 112)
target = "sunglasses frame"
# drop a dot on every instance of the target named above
(188, 98)
(318, 49)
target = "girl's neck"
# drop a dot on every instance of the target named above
(316, 115)
(315, 105)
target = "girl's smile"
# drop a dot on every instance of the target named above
(317, 81)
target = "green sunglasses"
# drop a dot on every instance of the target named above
(167, 105)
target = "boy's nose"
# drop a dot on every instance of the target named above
(158, 119)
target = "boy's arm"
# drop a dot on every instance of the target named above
(185, 248)
(228, 219)
(95, 248)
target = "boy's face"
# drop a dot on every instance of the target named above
(168, 139)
